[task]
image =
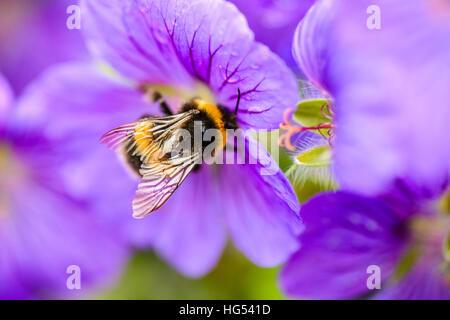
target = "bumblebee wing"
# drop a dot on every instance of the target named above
(150, 138)
(159, 181)
(114, 139)
(156, 129)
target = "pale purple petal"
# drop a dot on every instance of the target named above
(274, 22)
(188, 231)
(34, 34)
(6, 100)
(181, 43)
(261, 209)
(344, 235)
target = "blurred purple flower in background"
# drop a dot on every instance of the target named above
(183, 49)
(34, 36)
(404, 233)
(384, 85)
(43, 231)
(274, 22)
(389, 89)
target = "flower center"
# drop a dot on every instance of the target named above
(4, 177)
(176, 97)
(430, 242)
(290, 128)
(430, 232)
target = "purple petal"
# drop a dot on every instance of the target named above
(155, 62)
(6, 101)
(72, 96)
(188, 230)
(11, 286)
(260, 207)
(310, 48)
(59, 233)
(268, 88)
(180, 43)
(344, 235)
(424, 282)
(34, 34)
(274, 22)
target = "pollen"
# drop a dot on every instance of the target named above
(142, 136)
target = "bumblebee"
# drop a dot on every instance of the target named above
(151, 147)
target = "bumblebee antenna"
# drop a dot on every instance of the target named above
(238, 101)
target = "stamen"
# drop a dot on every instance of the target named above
(325, 114)
(290, 129)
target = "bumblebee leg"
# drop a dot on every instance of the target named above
(145, 116)
(157, 97)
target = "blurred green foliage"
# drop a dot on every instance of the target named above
(149, 277)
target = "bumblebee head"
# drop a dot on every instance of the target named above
(212, 116)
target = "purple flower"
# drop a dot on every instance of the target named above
(200, 48)
(274, 22)
(390, 151)
(402, 233)
(43, 230)
(389, 124)
(34, 34)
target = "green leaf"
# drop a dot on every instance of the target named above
(406, 263)
(309, 112)
(446, 248)
(317, 157)
(235, 278)
(445, 203)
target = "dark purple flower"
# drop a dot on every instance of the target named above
(403, 233)
(184, 49)
(43, 230)
(34, 35)
(274, 22)
(384, 86)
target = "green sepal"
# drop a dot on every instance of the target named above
(316, 157)
(310, 113)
